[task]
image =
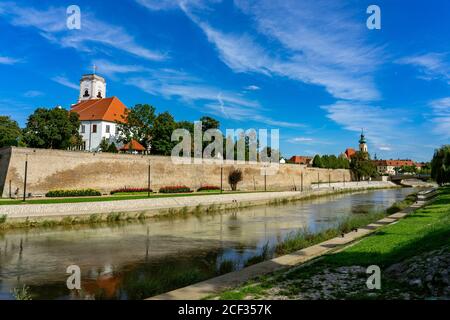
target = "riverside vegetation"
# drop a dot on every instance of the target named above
(413, 255)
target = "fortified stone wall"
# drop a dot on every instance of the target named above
(53, 169)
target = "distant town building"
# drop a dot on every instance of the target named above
(301, 160)
(389, 166)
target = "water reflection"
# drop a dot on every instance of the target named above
(137, 260)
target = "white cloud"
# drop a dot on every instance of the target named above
(65, 82)
(326, 49)
(252, 88)
(302, 139)
(105, 67)
(33, 94)
(8, 60)
(440, 121)
(431, 65)
(51, 24)
(175, 84)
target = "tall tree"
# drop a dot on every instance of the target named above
(163, 127)
(317, 161)
(52, 129)
(138, 124)
(10, 133)
(440, 165)
(209, 123)
(362, 167)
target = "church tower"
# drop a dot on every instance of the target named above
(363, 143)
(92, 86)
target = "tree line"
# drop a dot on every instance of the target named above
(58, 128)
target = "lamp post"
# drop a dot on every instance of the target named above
(221, 178)
(149, 179)
(25, 179)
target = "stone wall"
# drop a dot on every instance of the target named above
(53, 169)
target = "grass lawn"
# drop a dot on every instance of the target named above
(116, 197)
(424, 230)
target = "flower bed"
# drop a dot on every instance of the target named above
(175, 189)
(131, 190)
(73, 193)
(208, 188)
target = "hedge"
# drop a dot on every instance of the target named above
(73, 193)
(208, 188)
(125, 190)
(175, 189)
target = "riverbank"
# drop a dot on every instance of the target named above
(413, 255)
(349, 230)
(35, 215)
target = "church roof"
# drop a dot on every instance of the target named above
(107, 109)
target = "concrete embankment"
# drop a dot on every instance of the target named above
(161, 206)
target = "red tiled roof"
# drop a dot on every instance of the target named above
(135, 146)
(350, 152)
(394, 163)
(300, 159)
(107, 109)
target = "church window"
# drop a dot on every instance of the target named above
(83, 128)
(99, 95)
(86, 93)
(94, 128)
(108, 130)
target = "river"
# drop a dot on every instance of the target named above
(135, 260)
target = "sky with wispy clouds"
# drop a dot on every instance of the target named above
(310, 68)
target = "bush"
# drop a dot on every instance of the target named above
(234, 177)
(208, 188)
(125, 190)
(175, 189)
(73, 193)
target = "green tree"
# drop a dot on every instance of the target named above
(209, 123)
(440, 165)
(362, 167)
(137, 124)
(164, 125)
(104, 145)
(112, 148)
(10, 133)
(317, 161)
(52, 129)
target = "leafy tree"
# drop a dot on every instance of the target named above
(137, 124)
(10, 133)
(209, 123)
(362, 167)
(440, 165)
(104, 145)
(52, 128)
(112, 148)
(234, 177)
(164, 125)
(317, 161)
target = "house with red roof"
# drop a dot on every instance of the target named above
(98, 115)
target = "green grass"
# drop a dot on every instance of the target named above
(424, 230)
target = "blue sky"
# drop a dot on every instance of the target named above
(310, 68)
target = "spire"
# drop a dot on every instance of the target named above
(94, 67)
(363, 138)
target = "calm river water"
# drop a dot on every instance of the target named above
(138, 260)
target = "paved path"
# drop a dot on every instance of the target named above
(156, 204)
(230, 280)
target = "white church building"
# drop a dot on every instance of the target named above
(98, 115)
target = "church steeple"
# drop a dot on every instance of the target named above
(92, 86)
(363, 142)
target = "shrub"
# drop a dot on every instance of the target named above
(234, 177)
(3, 218)
(73, 193)
(125, 190)
(208, 188)
(175, 189)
